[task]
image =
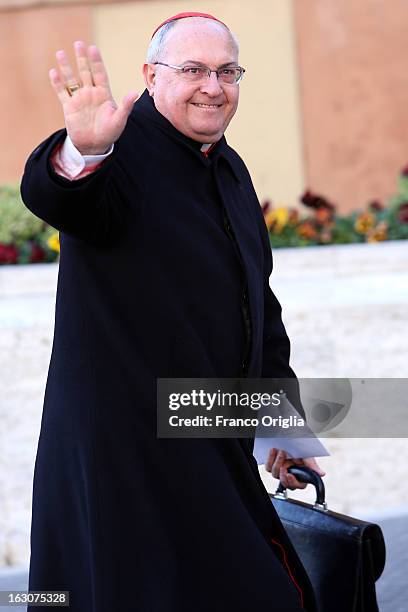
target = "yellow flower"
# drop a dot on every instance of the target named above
(378, 233)
(364, 222)
(277, 218)
(53, 242)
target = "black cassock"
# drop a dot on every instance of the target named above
(163, 272)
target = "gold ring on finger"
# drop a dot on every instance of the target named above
(71, 89)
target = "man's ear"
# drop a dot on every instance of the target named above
(149, 76)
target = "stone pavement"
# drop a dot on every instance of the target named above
(345, 311)
(13, 579)
(391, 587)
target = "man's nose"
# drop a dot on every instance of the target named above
(211, 85)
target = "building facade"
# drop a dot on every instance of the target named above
(323, 105)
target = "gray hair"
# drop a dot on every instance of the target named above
(158, 43)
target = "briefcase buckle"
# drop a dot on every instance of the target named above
(322, 507)
(281, 494)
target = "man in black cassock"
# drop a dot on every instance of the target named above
(164, 272)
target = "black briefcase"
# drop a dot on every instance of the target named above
(343, 556)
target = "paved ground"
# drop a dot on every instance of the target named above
(344, 309)
(391, 587)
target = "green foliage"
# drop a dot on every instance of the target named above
(319, 222)
(26, 239)
(23, 237)
(17, 224)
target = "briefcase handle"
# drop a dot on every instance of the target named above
(306, 474)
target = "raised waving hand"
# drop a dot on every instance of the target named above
(92, 117)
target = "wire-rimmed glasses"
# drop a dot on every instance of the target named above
(228, 75)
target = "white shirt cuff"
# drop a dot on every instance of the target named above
(74, 162)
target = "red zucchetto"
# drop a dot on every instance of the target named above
(183, 15)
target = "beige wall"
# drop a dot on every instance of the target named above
(29, 108)
(354, 96)
(323, 103)
(265, 130)
(7, 5)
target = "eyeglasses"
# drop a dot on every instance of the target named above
(229, 75)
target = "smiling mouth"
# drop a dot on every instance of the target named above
(206, 105)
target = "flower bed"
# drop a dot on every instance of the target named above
(23, 237)
(26, 239)
(319, 222)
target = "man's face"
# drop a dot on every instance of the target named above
(203, 110)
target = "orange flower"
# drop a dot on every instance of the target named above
(323, 216)
(364, 222)
(307, 230)
(293, 216)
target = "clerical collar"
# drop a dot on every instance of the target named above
(145, 104)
